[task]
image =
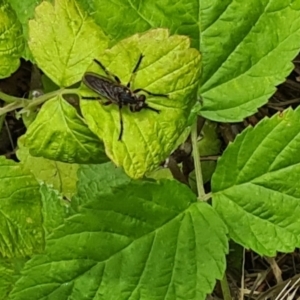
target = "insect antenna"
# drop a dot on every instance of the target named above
(151, 94)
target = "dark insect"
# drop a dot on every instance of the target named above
(111, 89)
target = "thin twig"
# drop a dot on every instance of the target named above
(284, 103)
(9, 136)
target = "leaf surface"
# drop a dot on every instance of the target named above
(144, 240)
(62, 176)
(59, 133)
(64, 40)
(255, 188)
(247, 49)
(21, 232)
(11, 40)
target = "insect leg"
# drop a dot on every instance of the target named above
(149, 93)
(151, 108)
(116, 78)
(138, 63)
(121, 122)
(91, 98)
(135, 69)
(107, 103)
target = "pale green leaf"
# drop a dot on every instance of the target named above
(59, 133)
(62, 176)
(25, 11)
(21, 232)
(170, 67)
(11, 40)
(247, 49)
(64, 40)
(255, 186)
(144, 241)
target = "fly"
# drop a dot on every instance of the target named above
(111, 89)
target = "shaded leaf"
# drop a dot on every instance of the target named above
(21, 232)
(10, 271)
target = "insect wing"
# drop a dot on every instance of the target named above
(99, 84)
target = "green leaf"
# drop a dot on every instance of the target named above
(59, 133)
(120, 19)
(61, 175)
(25, 11)
(11, 40)
(64, 40)
(145, 241)
(21, 232)
(102, 178)
(55, 209)
(170, 67)
(255, 185)
(241, 51)
(9, 273)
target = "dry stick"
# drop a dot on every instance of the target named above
(288, 102)
(9, 135)
(243, 276)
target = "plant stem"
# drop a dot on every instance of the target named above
(9, 99)
(198, 171)
(225, 288)
(40, 100)
(11, 107)
(28, 104)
